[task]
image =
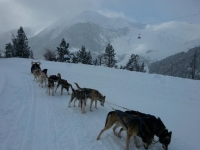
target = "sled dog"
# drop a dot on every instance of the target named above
(36, 74)
(45, 71)
(155, 125)
(50, 86)
(64, 84)
(42, 79)
(55, 78)
(81, 96)
(135, 126)
(35, 65)
(94, 95)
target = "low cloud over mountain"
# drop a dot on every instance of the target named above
(95, 31)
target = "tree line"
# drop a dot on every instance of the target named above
(19, 48)
(183, 64)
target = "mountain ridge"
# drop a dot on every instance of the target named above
(95, 31)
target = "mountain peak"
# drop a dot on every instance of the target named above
(97, 18)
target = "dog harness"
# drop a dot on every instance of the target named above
(131, 119)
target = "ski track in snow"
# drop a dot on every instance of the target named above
(31, 119)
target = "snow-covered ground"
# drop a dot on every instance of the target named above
(30, 119)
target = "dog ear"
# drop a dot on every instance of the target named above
(170, 133)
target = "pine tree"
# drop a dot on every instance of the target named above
(82, 55)
(132, 64)
(95, 62)
(193, 65)
(109, 56)
(14, 44)
(9, 50)
(89, 58)
(100, 58)
(31, 54)
(63, 52)
(21, 44)
(142, 68)
(74, 57)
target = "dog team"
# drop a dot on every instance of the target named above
(133, 122)
(81, 94)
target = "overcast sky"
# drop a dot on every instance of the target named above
(40, 13)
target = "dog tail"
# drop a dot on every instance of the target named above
(59, 75)
(78, 87)
(109, 114)
(72, 88)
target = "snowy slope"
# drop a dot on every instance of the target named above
(158, 41)
(30, 119)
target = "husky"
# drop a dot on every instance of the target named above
(155, 125)
(36, 74)
(45, 71)
(55, 78)
(81, 96)
(42, 79)
(35, 65)
(94, 95)
(50, 86)
(51, 80)
(135, 126)
(64, 84)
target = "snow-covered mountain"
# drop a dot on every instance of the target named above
(90, 29)
(95, 31)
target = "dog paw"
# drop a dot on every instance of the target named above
(119, 136)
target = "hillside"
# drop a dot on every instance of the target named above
(177, 65)
(30, 119)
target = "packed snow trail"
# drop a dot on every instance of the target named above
(30, 119)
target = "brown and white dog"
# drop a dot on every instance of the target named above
(134, 127)
(45, 71)
(51, 80)
(50, 85)
(36, 74)
(81, 96)
(55, 78)
(94, 95)
(155, 126)
(43, 77)
(64, 84)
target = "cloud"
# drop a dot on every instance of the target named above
(112, 14)
(141, 48)
(38, 13)
(184, 28)
(34, 13)
(11, 15)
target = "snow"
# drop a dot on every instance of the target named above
(30, 119)
(164, 39)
